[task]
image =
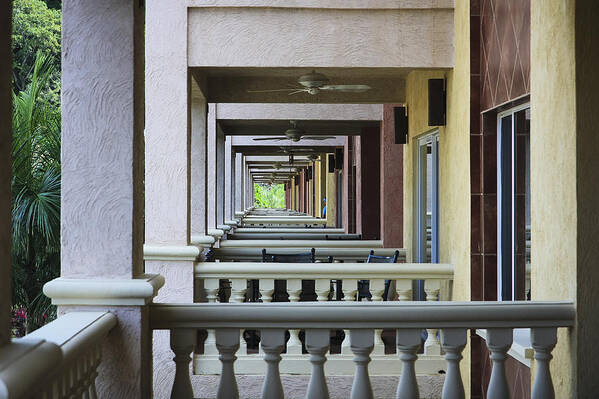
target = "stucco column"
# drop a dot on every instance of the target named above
(220, 178)
(391, 182)
(367, 184)
(228, 196)
(211, 175)
(198, 141)
(238, 183)
(5, 169)
(564, 171)
(103, 184)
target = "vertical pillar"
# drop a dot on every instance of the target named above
(220, 177)
(229, 170)
(5, 169)
(349, 210)
(211, 165)
(564, 144)
(103, 179)
(391, 183)
(368, 184)
(238, 182)
(198, 165)
(232, 185)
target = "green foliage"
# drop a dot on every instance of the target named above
(36, 194)
(269, 196)
(36, 28)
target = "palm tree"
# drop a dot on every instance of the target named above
(36, 195)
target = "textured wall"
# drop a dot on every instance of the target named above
(167, 117)
(102, 145)
(198, 161)
(553, 172)
(342, 37)
(564, 173)
(504, 51)
(345, 112)
(454, 166)
(391, 182)
(211, 196)
(5, 170)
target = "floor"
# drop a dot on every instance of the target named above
(339, 387)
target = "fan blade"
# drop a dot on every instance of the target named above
(271, 91)
(298, 91)
(346, 88)
(317, 137)
(270, 138)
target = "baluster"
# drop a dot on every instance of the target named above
(317, 345)
(543, 341)
(377, 288)
(322, 288)
(227, 342)
(239, 287)
(350, 289)
(267, 288)
(408, 342)
(432, 346)
(211, 287)
(294, 289)
(182, 340)
(499, 341)
(453, 341)
(272, 343)
(96, 358)
(404, 290)
(362, 343)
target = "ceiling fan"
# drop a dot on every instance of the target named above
(313, 83)
(294, 134)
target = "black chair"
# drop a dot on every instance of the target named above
(364, 285)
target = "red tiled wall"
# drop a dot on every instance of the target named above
(500, 73)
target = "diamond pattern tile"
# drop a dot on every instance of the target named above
(505, 51)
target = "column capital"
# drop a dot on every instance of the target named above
(138, 291)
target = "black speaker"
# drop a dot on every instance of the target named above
(331, 163)
(296, 180)
(400, 122)
(338, 158)
(436, 102)
(310, 171)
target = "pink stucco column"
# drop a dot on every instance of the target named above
(103, 175)
(5, 168)
(391, 182)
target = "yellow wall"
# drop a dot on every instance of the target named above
(564, 174)
(454, 161)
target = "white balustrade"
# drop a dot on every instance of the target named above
(452, 319)
(59, 360)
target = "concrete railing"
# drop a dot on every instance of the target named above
(59, 360)
(290, 229)
(453, 319)
(213, 277)
(371, 244)
(254, 254)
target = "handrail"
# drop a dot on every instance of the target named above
(60, 358)
(290, 229)
(360, 271)
(372, 244)
(251, 254)
(348, 315)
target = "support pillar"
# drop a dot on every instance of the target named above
(331, 190)
(211, 164)
(5, 170)
(103, 183)
(238, 183)
(367, 184)
(391, 182)
(220, 178)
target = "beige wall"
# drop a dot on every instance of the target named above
(331, 195)
(454, 162)
(564, 175)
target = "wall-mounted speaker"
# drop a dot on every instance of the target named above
(400, 122)
(331, 163)
(436, 102)
(338, 158)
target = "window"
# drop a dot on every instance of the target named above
(513, 203)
